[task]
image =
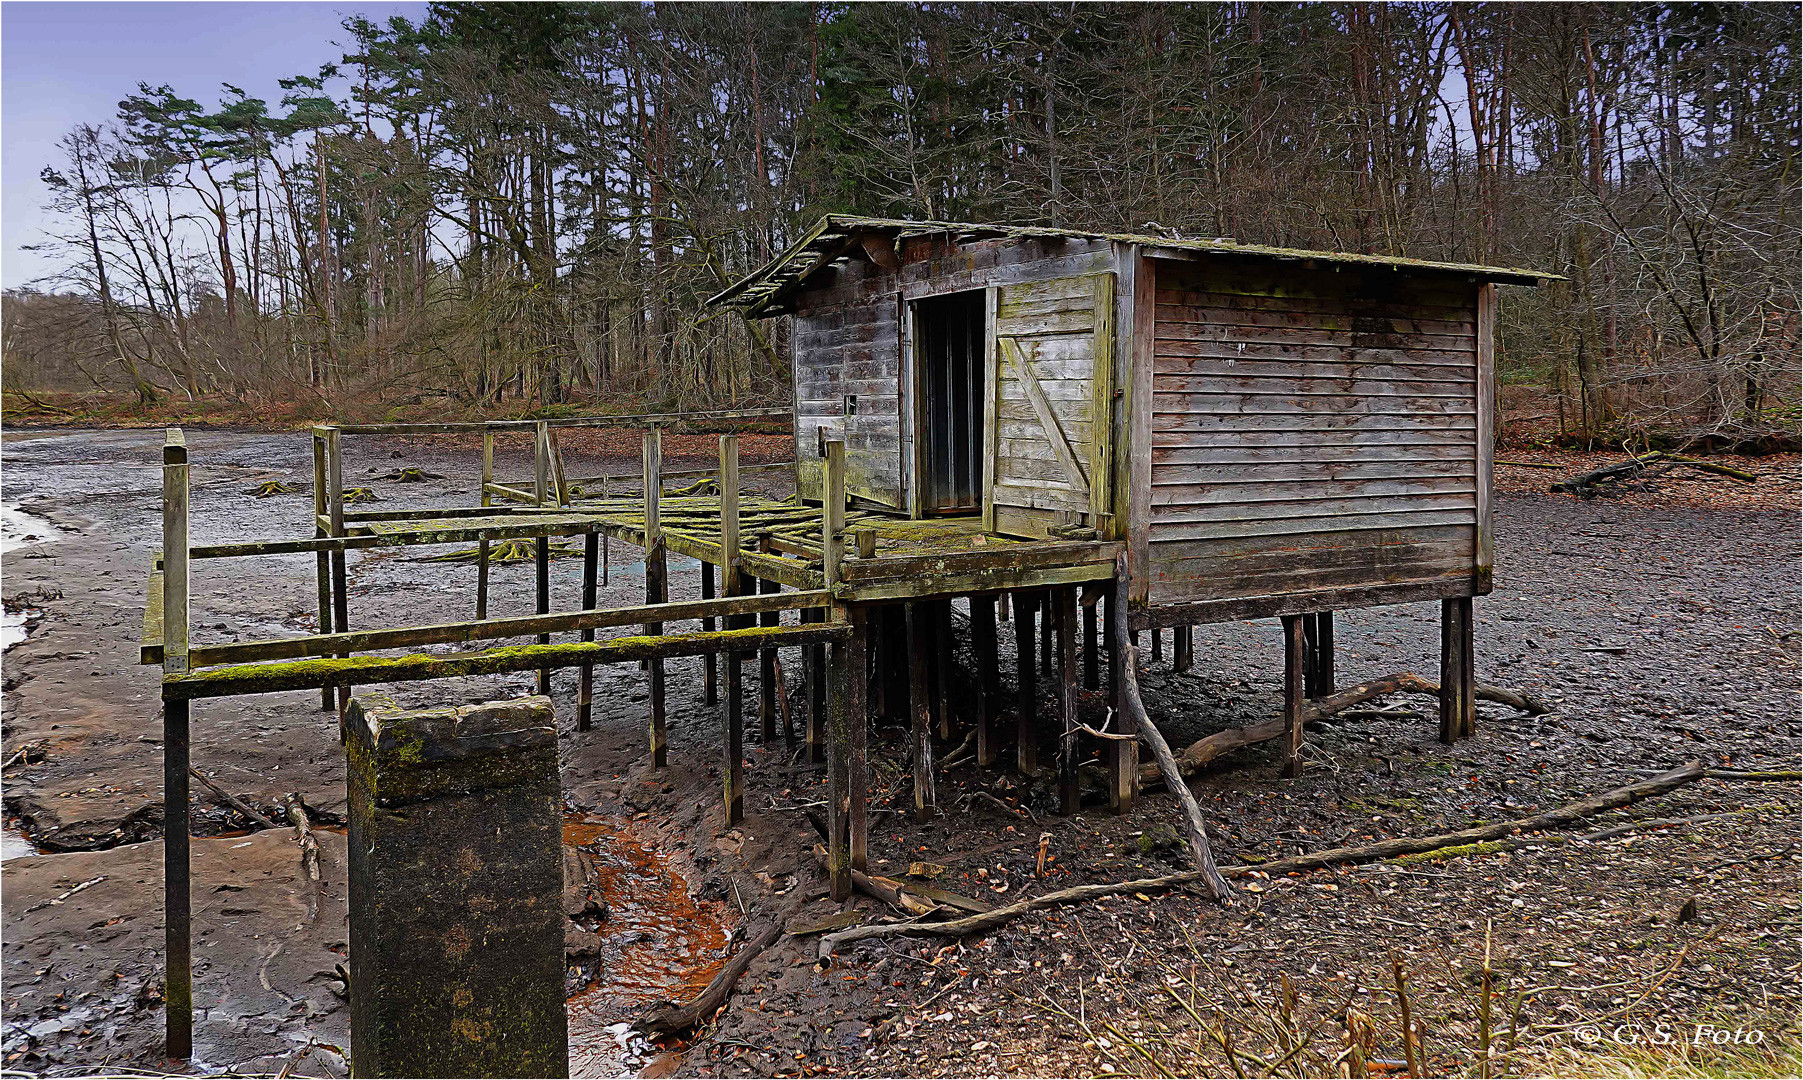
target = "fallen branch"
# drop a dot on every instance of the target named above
(883, 890)
(1660, 823)
(1790, 777)
(1197, 755)
(667, 1017)
(60, 897)
(231, 800)
(1552, 819)
(303, 832)
(1383, 849)
(1167, 765)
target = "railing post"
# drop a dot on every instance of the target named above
(541, 548)
(731, 584)
(832, 511)
(488, 477)
(178, 982)
(656, 584)
(322, 561)
(341, 604)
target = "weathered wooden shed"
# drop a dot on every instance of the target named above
(1271, 431)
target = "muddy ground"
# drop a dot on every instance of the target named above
(1662, 628)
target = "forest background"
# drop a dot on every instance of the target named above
(511, 209)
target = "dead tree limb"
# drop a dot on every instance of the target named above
(231, 800)
(1552, 819)
(667, 1017)
(1197, 755)
(303, 832)
(1383, 849)
(1128, 657)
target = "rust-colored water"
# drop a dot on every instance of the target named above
(660, 944)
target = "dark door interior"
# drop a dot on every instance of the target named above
(950, 333)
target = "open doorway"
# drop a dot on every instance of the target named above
(949, 331)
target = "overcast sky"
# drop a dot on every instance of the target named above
(66, 63)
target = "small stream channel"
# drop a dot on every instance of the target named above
(658, 944)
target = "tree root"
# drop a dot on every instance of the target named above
(1383, 849)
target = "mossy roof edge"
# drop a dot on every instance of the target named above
(762, 290)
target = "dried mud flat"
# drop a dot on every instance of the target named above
(1660, 631)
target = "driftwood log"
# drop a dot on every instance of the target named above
(668, 1017)
(231, 800)
(1166, 767)
(1382, 849)
(1197, 755)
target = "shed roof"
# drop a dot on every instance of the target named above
(837, 236)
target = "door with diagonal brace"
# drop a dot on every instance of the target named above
(1049, 455)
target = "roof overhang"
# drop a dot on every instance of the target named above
(837, 237)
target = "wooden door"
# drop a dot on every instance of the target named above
(1051, 387)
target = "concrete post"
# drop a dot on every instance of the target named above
(456, 890)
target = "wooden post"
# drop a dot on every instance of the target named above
(341, 604)
(541, 490)
(814, 677)
(857, 736)
(920, 623)
(710, 687)
(1183, 648)
(1293, 696)
(178, 982)
(1458, 704)
(1157, 644)
(488, 476)
(1070, 792)
(322, 561)
(832, 513)
(1042, 603)
(585, 675)
(982, 646)
(732, 717)
(847, 660)
(767, 688)
(656, 585)
(1026, 724)
(942, 666)
(1318, 631)
(1110, 615)
(1092, 663)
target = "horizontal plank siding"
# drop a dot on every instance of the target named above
(1311, 431)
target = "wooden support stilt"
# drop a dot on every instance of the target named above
(1070, 792)
(1317, 632)
(1293, 695)
(942, 665)
(541, 547)
(322, 561)
(844, 658)
(1026, 720)
(1042, 605)
(1092, 661)
(341, 604)
(1003, 607)
(1110, 614)
(767, 688)
(983, 655)
(657, 588)
(732, 584)
(710, 687)
(488, 477)
(920, 652)
(1183, 648)
(585, 675)
(1157, 644)
(857, 733)
(178, 983)
(814, 677)
(1458, 701)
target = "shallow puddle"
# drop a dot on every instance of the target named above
(658, 944)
